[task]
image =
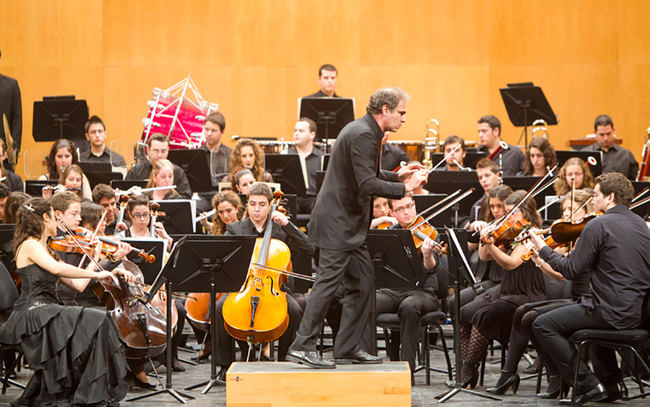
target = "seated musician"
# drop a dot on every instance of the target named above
(487, 172)
(490, 316)
(454, 154)
(4, 195)
(158, 148)
(247, 154)
(540, 158)
(104, 196)
(381, 212)
(310, 160)
(219, 159)
(140, 218)
(572, 211)
(72, 179)
(327, 78)
(615, 157)
(12, 180)
(258, 206)
(489, 134)
(162, 175)
(62, 155)
(391, 155)
(14, 200)
(573, 170)
(95, 132)
(410, 305)
(242, 181)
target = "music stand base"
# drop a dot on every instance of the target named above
(175, 394)
(451, 393)
(208, 385)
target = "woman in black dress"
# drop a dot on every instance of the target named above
(491, 314)
(76, 352)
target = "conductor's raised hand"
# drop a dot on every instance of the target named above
(405, 172)
(416, 180)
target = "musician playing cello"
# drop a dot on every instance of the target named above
(258, 206)
(615, 247)
(339, 225)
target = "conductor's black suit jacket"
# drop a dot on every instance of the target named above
(341, 216)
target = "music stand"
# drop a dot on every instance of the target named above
(448, 182)
(329, 114)
(34, 187)
(155, 246)
(99, 173)
(457, 259)
(287, 171)
(177, 215)
(210, 263)
(58, 117)
(195, 165)
(397, 265)
(526, 103)
(422, 202)
(526, 183)
(564, 155)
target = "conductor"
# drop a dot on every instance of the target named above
(339, 224)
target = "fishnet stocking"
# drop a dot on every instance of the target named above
(475, 350)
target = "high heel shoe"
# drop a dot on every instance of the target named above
(512, 380)
(469, 376)
(553, 389)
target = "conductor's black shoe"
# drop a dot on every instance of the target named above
(359, 357)
(309, 358)
(596, 393)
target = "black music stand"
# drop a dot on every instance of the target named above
(154, 246)
(526, 183)
(526, 103)
(286, 170)
(397, 265)
(422, 202)
(564, 155)
(58, 117)
(195, 165)
(34, 187)
(176, 215)
(448, 182)
(459, 268)
(99, 173)
(210, 263)
(330, 115)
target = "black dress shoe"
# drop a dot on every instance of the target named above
(309, 358)
(502, 386)
(553, 389)
(143, 385)
(177, 366)
(596, 393)
(359, 357)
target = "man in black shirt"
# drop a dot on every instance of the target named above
(310, 160)
(158, 148)
(219, 158)
(327, 78)
(615, 157)
(95, 131)
(10, 105)
(510, 159)
(615, 246)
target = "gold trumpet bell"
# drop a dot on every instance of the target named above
(431, 141)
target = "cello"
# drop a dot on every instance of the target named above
(258, 312)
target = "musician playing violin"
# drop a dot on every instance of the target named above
(521, 333)
(105, 196)
(487, 172)
(410, 305)
(490, 316)
(257, 207)
(573, 174)
(89, 361)
(615, 247)
(140, 215)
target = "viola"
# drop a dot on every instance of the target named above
(564, 232)
(420, 231)
(258, 312)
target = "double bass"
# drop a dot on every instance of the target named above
(258, 312)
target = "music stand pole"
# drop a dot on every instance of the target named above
(454, 250)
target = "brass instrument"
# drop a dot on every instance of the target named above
(645, 158)
(431, 138)
(540, 129)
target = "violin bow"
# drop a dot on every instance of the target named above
(441, 210)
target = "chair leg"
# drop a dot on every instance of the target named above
(576, 367)
(446, 351)
(425, 354)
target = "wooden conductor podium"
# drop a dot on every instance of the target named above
(274, 384)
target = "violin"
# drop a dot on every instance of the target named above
(506, 232)
(420, 231)
(258, 312)
(564, 232)
(70, 244)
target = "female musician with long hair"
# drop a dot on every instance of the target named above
(576, 169)
(539, 158)
(140, 216)
(229, 209)
(86, 364)
(72, 180)
(63, 154)
(490, 316)
(162, 175)
(248, 154)
(242, 181)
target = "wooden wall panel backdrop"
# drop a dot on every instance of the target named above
(255, 57)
